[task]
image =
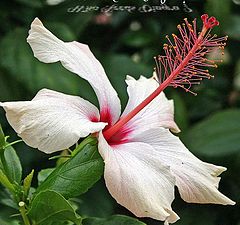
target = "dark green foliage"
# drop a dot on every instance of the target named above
(219, 135)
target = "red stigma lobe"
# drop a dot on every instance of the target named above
(209, 23)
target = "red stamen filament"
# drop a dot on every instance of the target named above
(176, 68)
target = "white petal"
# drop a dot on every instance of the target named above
(54, 2)
(159, 113)
(77, 58)
(137, 180)
(196, 180)
(52, 121)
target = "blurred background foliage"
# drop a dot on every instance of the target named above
(125, 43)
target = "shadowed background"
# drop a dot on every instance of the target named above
(125, 43)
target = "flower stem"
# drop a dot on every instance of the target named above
(12, 143)
(23, 210)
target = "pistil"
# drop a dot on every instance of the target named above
(177, 68)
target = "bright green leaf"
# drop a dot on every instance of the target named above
(12, 165)
(6, 183)
(113, 220)
(219, 135)
(27, 183)
(76, 175)
(49, 207)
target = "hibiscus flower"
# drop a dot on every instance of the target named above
(143, 160)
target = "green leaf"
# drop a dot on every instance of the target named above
(9, 202)
(2, 139)
(76, 175)
(12, 222)
(43, 174)
(27, 183)
(49, 207)
(113, 220)
(6, 183)
(12, 165)
(219, 135)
